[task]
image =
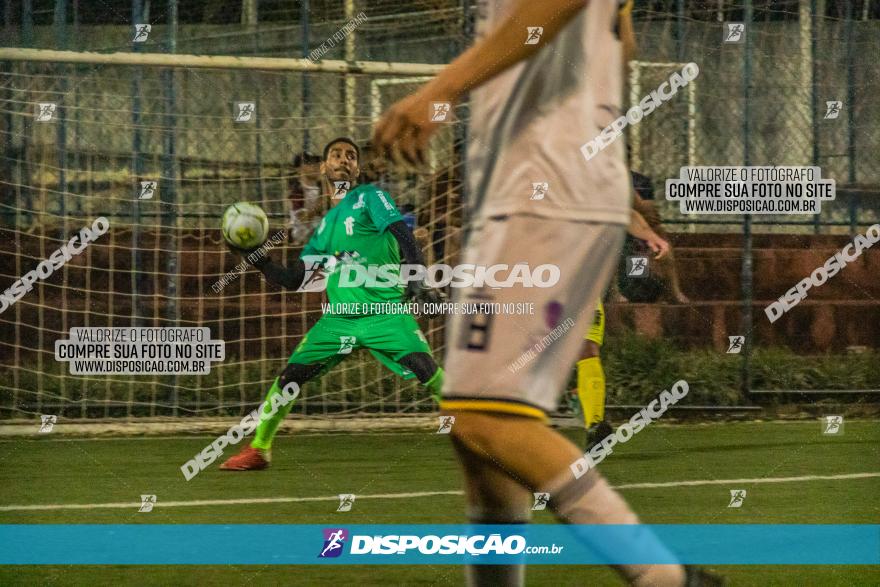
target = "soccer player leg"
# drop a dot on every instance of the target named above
(590, 376)
(397, 341)
(429, 374)
(323, 346)
(493, 497)
(541, 460)
(270, 417)
(505, 372)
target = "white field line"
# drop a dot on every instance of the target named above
(210, 502)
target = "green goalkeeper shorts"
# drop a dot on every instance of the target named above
(389, 337)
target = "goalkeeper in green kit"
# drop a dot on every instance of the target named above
(363, 227)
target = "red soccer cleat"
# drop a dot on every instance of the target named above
(249, 459)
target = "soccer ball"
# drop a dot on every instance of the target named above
(245, 225)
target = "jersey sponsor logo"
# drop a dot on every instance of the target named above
(349, 225)
(360, 203)
(388, 205)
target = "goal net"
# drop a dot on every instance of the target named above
(160, 146)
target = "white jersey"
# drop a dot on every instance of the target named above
(528, 124)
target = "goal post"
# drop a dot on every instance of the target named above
(120, 120)
(665, 140)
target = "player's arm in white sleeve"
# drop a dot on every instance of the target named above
(405, 129)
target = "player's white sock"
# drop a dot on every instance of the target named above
(590, 500)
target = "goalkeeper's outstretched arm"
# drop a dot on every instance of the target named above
(275, 273)
(278, 274)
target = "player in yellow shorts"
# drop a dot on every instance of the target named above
(590, 375)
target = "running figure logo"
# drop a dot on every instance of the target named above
(541, 501)
(636, 266)
(735, 32)
(334, 541)
(148, 188)
(440, 111)
(735, 344)
(346, 345)
(539, 190)
(832, 425)
(737, 497)
(346, 501)
(832, 109)
(446, 423)
(342, 188)
(534, 34)
(141, 32)
(47, 422)
(45, 111)
(244, 111)
(147, 503)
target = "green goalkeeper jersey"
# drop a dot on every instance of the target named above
(355, 231)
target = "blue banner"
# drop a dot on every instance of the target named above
(206, 544)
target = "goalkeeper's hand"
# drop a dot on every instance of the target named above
(421, 293)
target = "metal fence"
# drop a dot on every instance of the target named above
(122, 121)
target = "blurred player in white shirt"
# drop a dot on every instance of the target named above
(536, 96)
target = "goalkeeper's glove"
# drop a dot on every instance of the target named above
(422, 293)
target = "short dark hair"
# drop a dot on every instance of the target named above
(342, 140)
(305, 158)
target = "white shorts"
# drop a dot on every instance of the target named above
(520, 363)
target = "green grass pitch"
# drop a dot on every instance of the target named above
(53, 471)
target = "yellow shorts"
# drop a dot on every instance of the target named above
(597, 330)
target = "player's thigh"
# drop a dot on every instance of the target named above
(394, 335)
(329, 341)
(391, 337)
(492, 494)
(523, 448)
(525, 360)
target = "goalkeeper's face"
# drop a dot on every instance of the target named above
(341, 163)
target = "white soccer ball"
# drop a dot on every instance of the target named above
(245, 225)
